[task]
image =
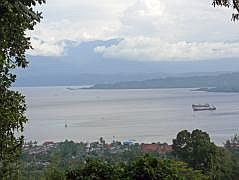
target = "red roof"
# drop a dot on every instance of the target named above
(160, 148)
(149, 147)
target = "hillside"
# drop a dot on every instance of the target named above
(217, 83)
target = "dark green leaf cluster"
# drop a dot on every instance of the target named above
(12, 119)
(93, 169)
(54, 174)
(232, 145)
(16, 17)
(200, 153)
(196, 158)
(141, 168)
(229, 3)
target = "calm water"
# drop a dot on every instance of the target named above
(143, 115)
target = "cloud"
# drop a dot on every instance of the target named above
(161, 30)
(179, 20)
(78, 21)
(43, 48)
(151, 49)
(48, 38)
(150, 29)
(145, 18)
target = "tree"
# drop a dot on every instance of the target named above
(234, 4)
(200, 153)
(93, 170)
(54, 174)
(233, 146)
(152, 168)
(141, 168)
(16, 17)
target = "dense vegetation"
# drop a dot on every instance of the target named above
(200, 153)
(194, 156)
(219, 83)
(16, 17)
(141, 168)
(234, 4)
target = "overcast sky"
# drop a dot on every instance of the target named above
(153, 30)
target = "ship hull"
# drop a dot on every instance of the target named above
(203, 107)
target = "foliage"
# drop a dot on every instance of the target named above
(141, 168)
(152, 168)
(229, 4)
(16, 16)
(200, 153)
(201, 160)
(94, 170)
(54, 174)
(68, 155)
(12, 117)
(71, 160)
(232, 145)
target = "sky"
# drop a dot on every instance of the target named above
(147, 30)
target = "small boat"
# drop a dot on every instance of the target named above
(203, 107)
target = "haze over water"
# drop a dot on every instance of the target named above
(143, 115)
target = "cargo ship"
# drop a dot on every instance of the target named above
(203, 107)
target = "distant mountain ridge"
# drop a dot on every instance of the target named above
(215, 83)
(81, 65)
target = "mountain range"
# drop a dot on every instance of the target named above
(81, 65)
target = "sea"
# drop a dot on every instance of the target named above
(143, 115)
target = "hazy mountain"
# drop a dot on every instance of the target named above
(81, 65)
(216, 83)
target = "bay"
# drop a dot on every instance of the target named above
(143, 115)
